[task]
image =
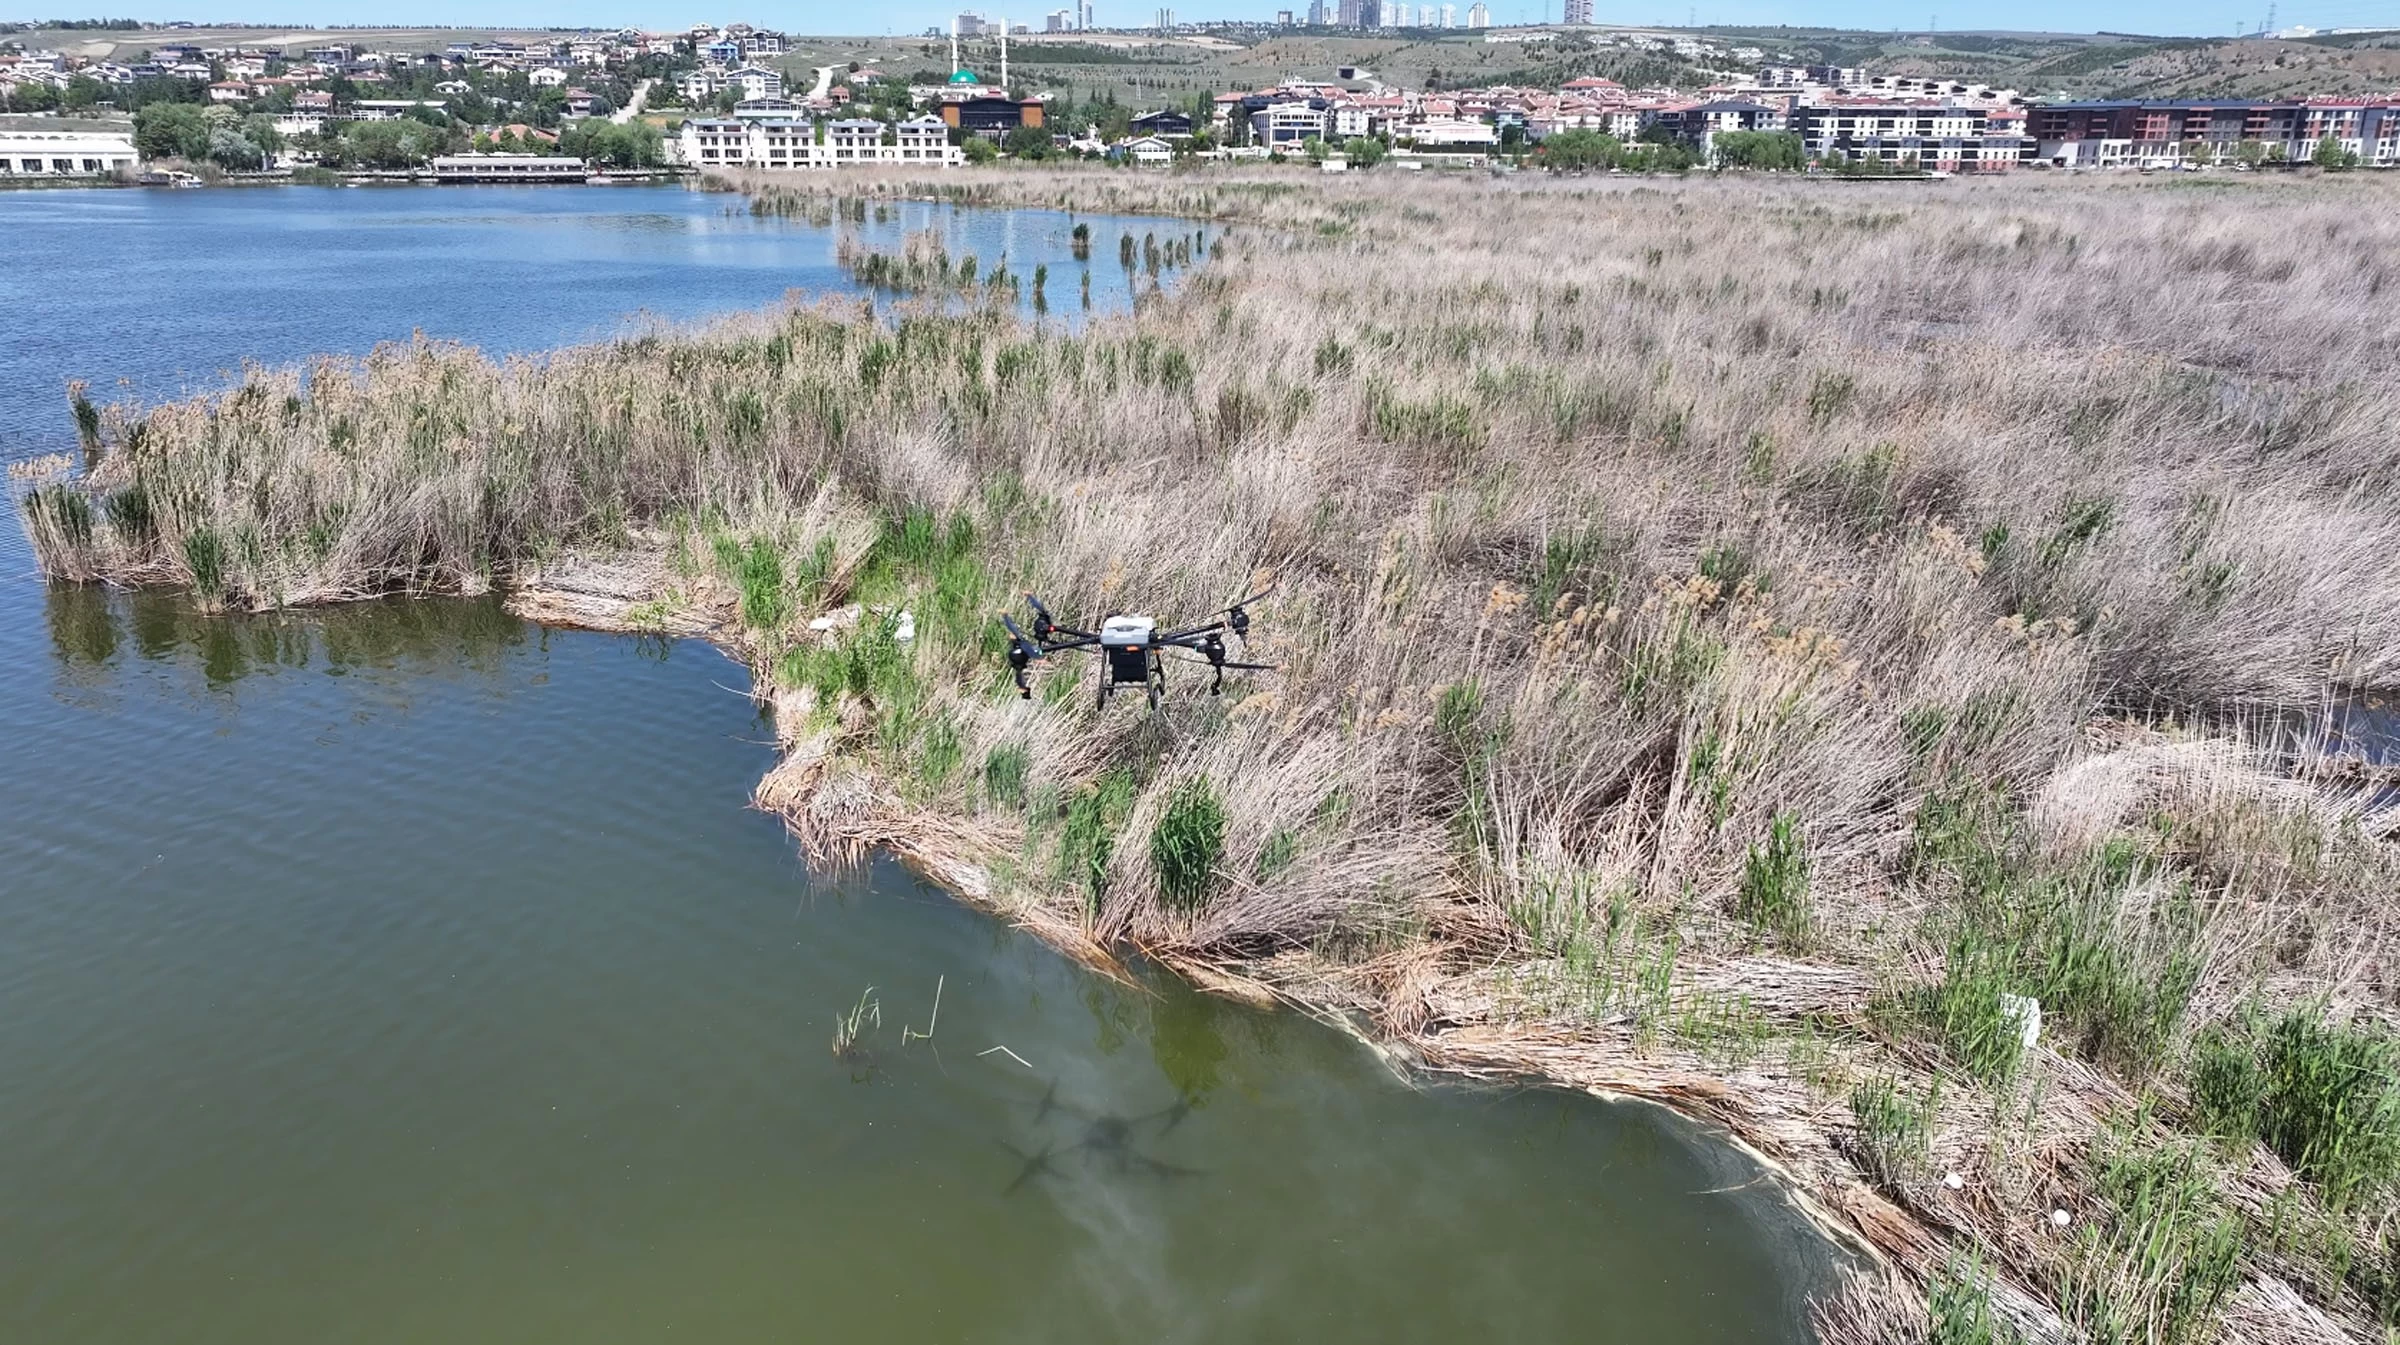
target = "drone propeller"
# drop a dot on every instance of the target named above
(1021, 653)
(1042, 624)
(1236, 616)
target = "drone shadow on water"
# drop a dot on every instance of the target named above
(1105, 1142)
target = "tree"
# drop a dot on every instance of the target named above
(980, 150)
(82, 91)
(29, 97)
(170, 131)
(1759, 149)
(1363, 151)
(383, 144)
(260, 130)
(2329, 154)
(1027, 142)
(1580, 151)
(635, 144)
(230, 149)
(1314, 149)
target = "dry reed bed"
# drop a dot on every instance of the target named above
(1734, 632)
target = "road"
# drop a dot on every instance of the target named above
(633, 105)
(824, 82)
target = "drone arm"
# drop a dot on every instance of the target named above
(1044, 626)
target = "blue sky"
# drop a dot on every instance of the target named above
(2142, 16)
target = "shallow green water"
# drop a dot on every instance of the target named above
(403, 973)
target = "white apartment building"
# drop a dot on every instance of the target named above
(734, 143)
(64, 153)
(756, 81)
(1287, 124)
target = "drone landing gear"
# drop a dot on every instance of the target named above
(1154, 681)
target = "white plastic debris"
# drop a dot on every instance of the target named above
(904, 629)
(841, 618)
(2026, 1012)
(1954, 1181)
(2060, 1218)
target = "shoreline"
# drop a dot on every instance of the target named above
(607, 596)
(1875, 732)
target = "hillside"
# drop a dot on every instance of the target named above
(1139, 68)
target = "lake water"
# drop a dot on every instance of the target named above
(403, 972)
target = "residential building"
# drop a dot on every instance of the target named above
(1149, 150)
(766, 109)
(2129, 133)
(1479, 15)
(734, 143)
(1166, 122)
(1286, 124)
(1449, 135)
(1083, 15)
(1577, 11)
(1059, 21)
(1937, 136)
(388, 109)
(756, 81)
(65, 153)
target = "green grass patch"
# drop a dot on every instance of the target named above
(2331, 1105)
(2154, 1269)
(204, 555)
(1894, 1130)
(1773, 893)
(1004, 771)
(1088, 838)
(1187, 843)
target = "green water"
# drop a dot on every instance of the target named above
(405, 973)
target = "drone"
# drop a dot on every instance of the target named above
(1131, 647)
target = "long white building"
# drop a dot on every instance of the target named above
(65, 153)
(753, 143)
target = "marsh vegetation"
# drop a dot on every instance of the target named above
(1743, 643)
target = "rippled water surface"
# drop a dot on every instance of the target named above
(402, 972)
